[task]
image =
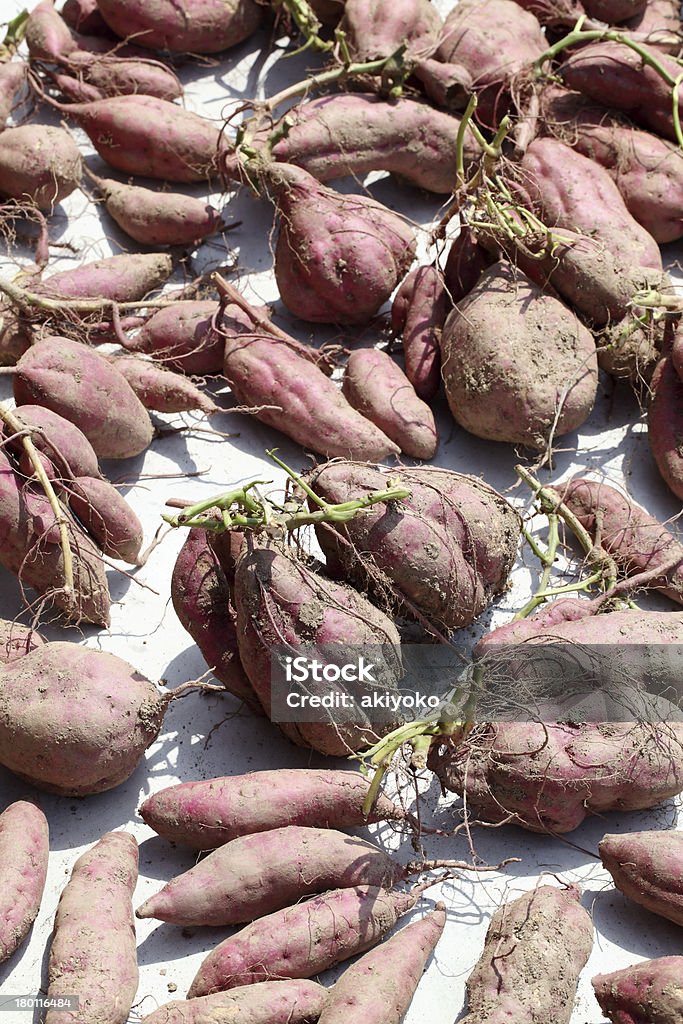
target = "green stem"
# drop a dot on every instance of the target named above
(460, 140)
(547, 559)
(308, 24)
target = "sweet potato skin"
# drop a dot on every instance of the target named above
(47, 36)
(159, 218)
(540, 376)
(75, 721)
(119, 278)
(181, 336)
(161, 389)
(271, 1002)
(448, 548)
(16, 641)
(418, 313)
(546, 926)
(81, 385)
(377, 387)
(646, 993)
(97, 965)
(67, 447)
(648, 868)
(24, 849)
(201, 26)
(107, 517)
(345, 922)
(256, 875)
(204, 815)
(665, 424)
(12, 77)
(41, 163)
(111, 75)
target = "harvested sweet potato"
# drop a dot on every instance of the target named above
(376, 386)
(16, 641)
(67, 447)
(658, 25)
(47, 35)
(182, 336)
(204, 815)
(111, 75)
(665, 424)
(546, 926)
(200, 26)
(446, 550)
(466, 262)
(24, 848)
(538, 380)
(648, 868)
(84, 16)
(107, 517)
(123, 278)
(418, 313)
(38, 163)
(650, 992)
(160, 389)
(272, 1002)
(12, 77)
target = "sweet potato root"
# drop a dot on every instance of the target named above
(665, 424)
(39, 163)
(182, 337)
(107, 517)
(67, 447)
(204, 815)
(24, 848)
(47, 35)
(272, 1002)
(118, 278)
(198, 27)
(160, 389)
(418, 313)
(647, 993)
(648, 868)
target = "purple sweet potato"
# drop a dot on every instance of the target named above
(635, 539)
(97, 965)
(256, 875)
(182, 337)
(123, 278)
(494, 41)
(158, 218)
(380, 986)
(204, 815)
(67, 447)
(12, 77)
(614, 74)
(76, 721)
(27, 551)
(149, 137)
(47, 36)
(338, 257)
(665, 424)
(272, 1002)
(418, 313)
(535, 380)
(107, 517)
(571, 191)
(647, 170)
(446, 550)
(81, 385)
(338, 135)
(377, 387)
(111, 75)
(199, 26)
(40, 163)
(84, 16)
(546, 926)
(160, 389)
(344, 922)
(16, 641)
(24, 848)
(648, 868)
(263, 370)
(279, 600)
(650, 992)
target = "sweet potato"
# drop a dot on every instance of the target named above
(650, 992)
(202, 601)
(76, 721)
(16, 641)
(571, 191)
(97, 965)
(256, 875)
(665, 424)
(16, 335)
(647, 170)
(466, 262)
(39, 163)
(648, 868)
(47, 35)
(182, 337)
(447, 549)
(150, 137)
(158, 218)
(107, 517)
(272, 1002)
(380, 986)
(338, 257)
(204, 815)
(635, 539)
(280, 600)
(123, 278)
(111, 75)
(630, 350)
(418, 313)
(24, 848)
(329, 11)
(338, 135)
(67, 447)
(537, 381)
(547, 926)
(376, 386)
(344, 922)
(84, 16)
(614, 12)
(160, 389)
(200, 26)
(12, 77)
(494, 42)
(83, 386)
(264, 371)
(617, 76)
(39, 563)
(659, 25)
(555, 14)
